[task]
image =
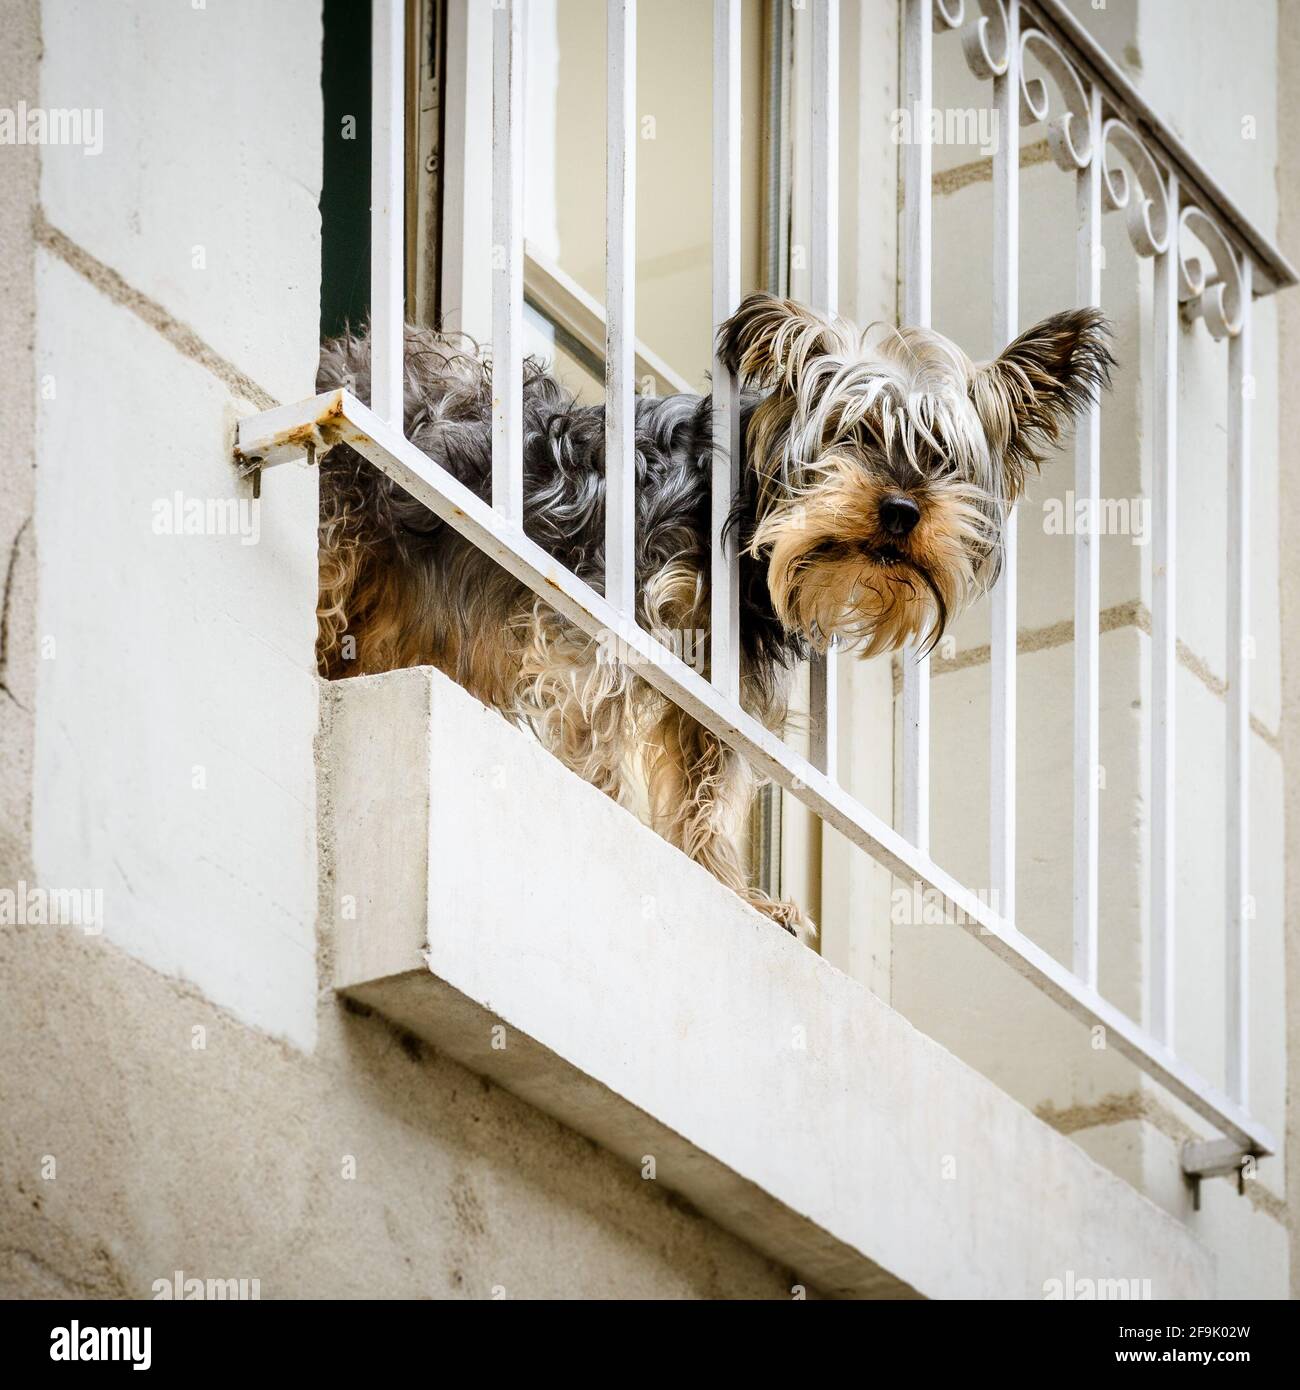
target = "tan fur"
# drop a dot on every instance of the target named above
(825, 571)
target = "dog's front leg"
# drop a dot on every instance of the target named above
(700, 790)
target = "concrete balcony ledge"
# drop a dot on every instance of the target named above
(494, 904)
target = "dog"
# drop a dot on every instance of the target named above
(877, 473)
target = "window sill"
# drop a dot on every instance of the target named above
(494, 904)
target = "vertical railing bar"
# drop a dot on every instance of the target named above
(765, 821)
(453, 249)
(620, 307)
(785, 158)
(507, 261)
(1087, 581)
(1164, 608)
(1006, 322)
(724, 603)
(776, 154)
(387, 194)
(1240, 392)
(917, 97)
(824, 282)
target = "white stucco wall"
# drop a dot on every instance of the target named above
(176, 695)
(212, 131)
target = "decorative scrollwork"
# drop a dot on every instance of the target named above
(1210, 289)
(984, 40)
(948, 14)
(1143, 195)
(1069, 135)
(1216, 298)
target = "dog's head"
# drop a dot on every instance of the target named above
(886, 468)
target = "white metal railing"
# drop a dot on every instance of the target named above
(1163, 190)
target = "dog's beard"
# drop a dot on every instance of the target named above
(834, 573)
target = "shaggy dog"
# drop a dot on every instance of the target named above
(877, 472)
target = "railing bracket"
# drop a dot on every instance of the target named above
(1214, 1158)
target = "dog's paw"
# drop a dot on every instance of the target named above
(788, 915)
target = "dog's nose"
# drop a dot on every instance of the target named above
(899, 515)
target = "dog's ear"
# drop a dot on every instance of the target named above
(769, 342)
(1027, 397)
